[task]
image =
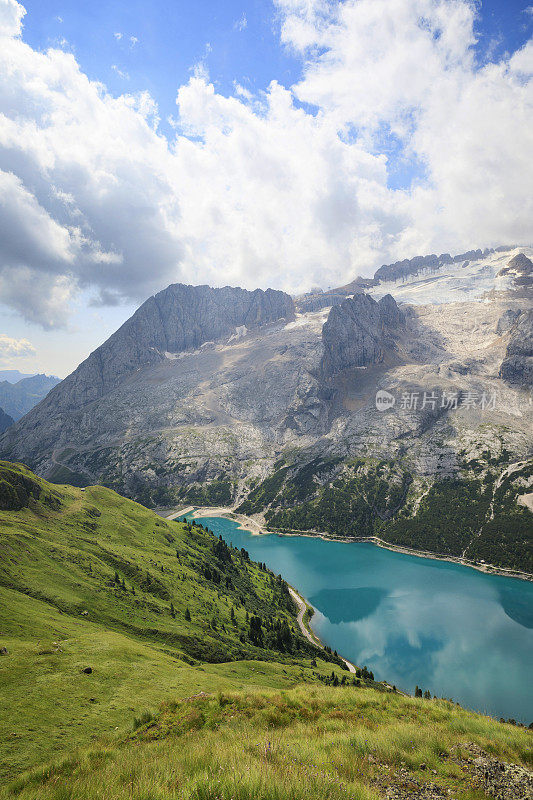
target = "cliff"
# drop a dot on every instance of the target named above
(358, 332)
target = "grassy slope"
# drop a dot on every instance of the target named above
(266, 727)
(61, 611)
(309, 743)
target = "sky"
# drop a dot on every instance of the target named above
(282, 143)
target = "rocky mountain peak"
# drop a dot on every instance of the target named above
(175, 320)
(358, 331)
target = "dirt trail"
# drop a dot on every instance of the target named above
(300, 602)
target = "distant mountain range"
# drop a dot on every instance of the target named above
(14, 375)
(17, 398)
(375, 409)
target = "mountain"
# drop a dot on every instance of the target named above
(401, 411)
(146, 658)
(14, 375)
(5, 420)
(20, 397)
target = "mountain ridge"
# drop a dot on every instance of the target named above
(242, 418)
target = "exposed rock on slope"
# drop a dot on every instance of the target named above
(358, 332)
(418, 264)
(282, 411)
(517, 366)
(507, 320)
(5, 420)
(520, 269)
(176, 319)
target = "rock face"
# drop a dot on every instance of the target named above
(5, 421)
(517, 367)
(202, 392)
(176, 319)
(507, 320)
(520, 269)
(411, 266)
(358, 332)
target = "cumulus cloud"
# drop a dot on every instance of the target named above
(286, 188)
(409, 67)
(15, 348)
(11, 16)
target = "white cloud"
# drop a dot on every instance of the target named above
(133, 40)
(241, 23)
(121, 73)
(15, 348)
(257, 190)
(11, 16)
(118, 36)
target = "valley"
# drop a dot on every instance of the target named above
(270, 409)
(147, 631)
(151, 657)
(411, 620)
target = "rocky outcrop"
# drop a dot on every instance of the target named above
(5, 421)
(358, 332)
(178, 319)
(175, 320)
(412, 266)
(507, 320)
(520, 269)
(517, 367)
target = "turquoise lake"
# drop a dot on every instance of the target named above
(450, 629)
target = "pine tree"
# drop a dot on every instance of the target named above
(187, 614)
(172, 610)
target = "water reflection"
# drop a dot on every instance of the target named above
(516, 606)
(348, 605)
(453, 630)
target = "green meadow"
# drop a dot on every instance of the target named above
(146, 659)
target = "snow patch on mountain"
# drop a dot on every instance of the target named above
(459, 282)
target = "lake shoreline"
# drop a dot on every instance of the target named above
(249, 524)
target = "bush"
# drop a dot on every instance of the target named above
(144, 719)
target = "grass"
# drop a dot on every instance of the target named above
(61, 610)
(308, 742)
(193, 709)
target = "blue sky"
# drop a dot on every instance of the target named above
(378, 142)
(237, 41)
